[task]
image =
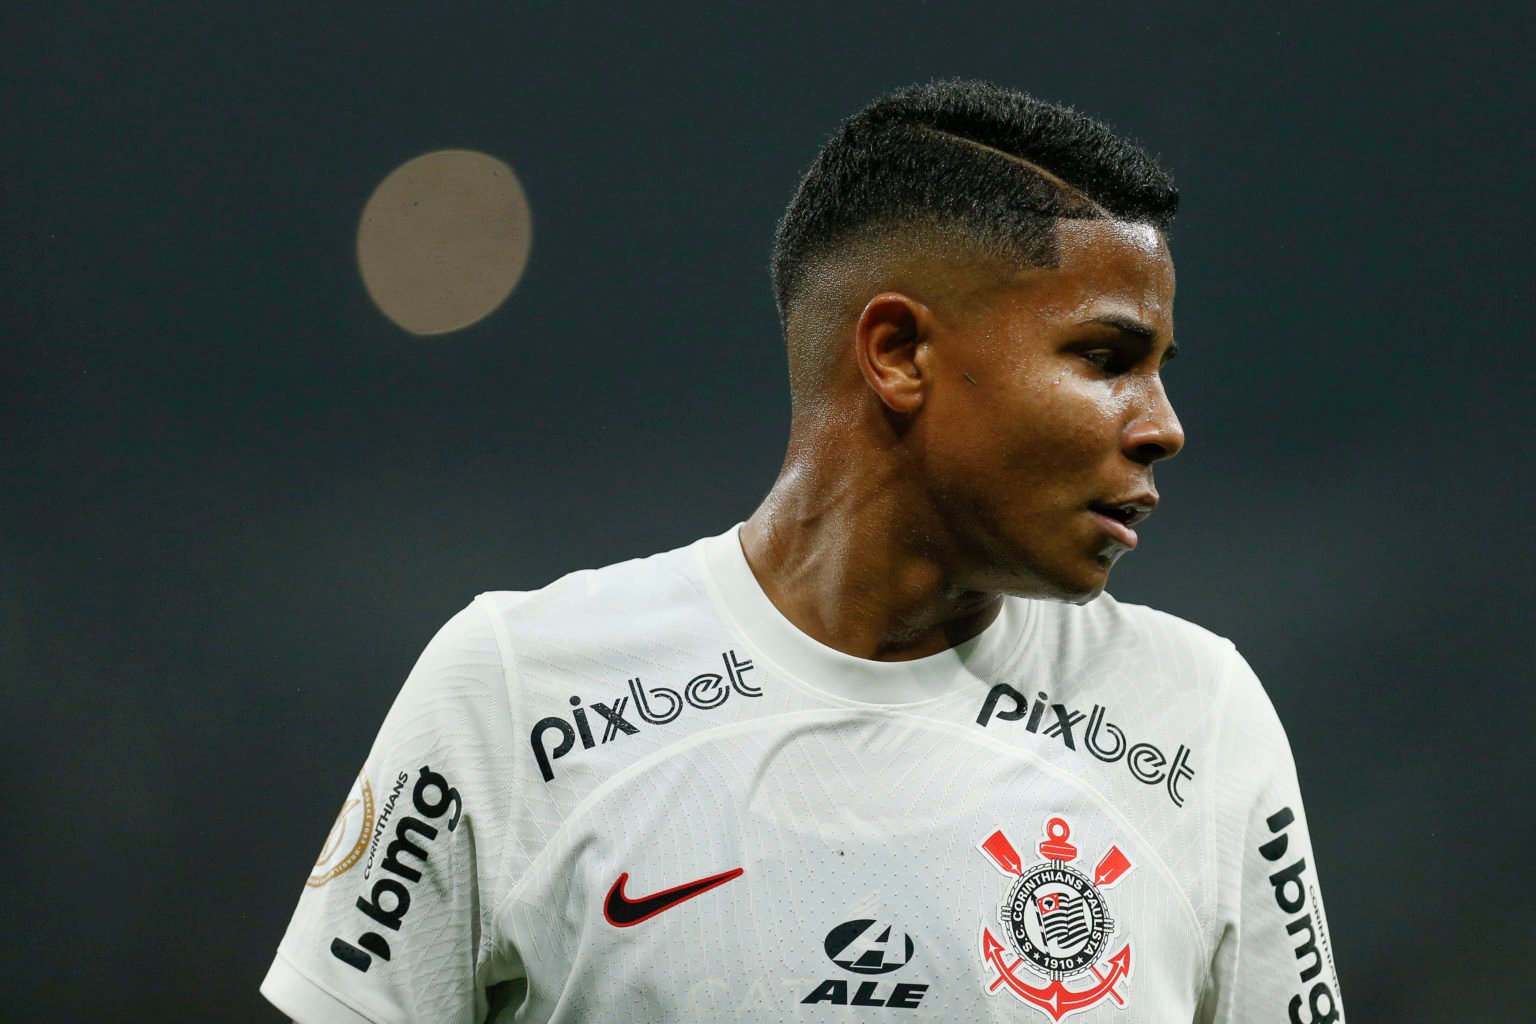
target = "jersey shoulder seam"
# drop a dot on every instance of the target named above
(508, 659)
(1212, 853)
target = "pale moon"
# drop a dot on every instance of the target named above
(444, 239)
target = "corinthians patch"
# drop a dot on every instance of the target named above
(1056, 926)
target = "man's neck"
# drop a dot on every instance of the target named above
(840, 558)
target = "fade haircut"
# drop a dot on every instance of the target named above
(987, 169)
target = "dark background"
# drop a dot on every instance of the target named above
(237, 501)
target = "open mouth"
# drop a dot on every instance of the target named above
(1119, 513)
(1126, 513)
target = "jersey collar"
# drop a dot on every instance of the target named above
(842, 675)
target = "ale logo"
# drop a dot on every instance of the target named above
(1056, 926)
(348, 837)
(867, 946)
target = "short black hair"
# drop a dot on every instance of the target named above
(988, 166)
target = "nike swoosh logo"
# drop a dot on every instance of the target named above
(622, 912)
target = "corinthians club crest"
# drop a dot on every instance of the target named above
(1056, 926)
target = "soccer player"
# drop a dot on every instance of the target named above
(886, 750)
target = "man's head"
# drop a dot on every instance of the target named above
(979, 283)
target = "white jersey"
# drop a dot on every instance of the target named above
(641, 794)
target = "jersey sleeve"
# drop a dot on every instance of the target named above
(1273, 961)
(394, 921)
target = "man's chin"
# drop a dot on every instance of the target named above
(1078, 587)
(1085, 593)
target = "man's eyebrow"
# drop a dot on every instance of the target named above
(1121, 322)
(1132, 326)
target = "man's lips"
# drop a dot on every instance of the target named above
(1123, 534)
(1117, 516)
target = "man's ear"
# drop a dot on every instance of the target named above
(890, 340)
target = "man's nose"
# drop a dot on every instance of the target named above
(1156, 433)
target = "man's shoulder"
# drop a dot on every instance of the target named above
(1109, 622)
(1186, 653)
(644, 596)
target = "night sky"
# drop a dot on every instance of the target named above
(236, 500)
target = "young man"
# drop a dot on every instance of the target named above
(887, 746)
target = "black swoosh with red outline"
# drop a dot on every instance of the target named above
(622, 912)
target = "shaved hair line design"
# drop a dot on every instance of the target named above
(1068, 190)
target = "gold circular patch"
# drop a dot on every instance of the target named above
(348, 838)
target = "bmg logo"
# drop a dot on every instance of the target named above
(390, 900)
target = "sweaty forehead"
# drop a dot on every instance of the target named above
(1112, 240)
(1104, 266)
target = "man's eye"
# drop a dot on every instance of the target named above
(1102, 358)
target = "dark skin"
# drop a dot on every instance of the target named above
(966, 420)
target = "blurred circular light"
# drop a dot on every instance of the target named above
(444, 239)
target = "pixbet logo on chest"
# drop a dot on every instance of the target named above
(1104, 740)
(655, 705)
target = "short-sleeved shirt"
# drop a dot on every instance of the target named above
(642, 794)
